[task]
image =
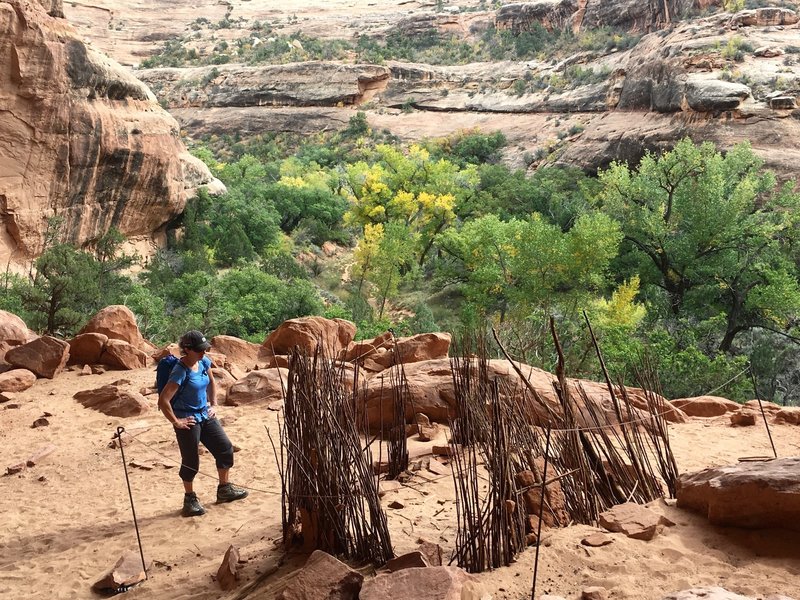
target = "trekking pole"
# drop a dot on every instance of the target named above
(541, 513)
(763, 414)
(118, 436)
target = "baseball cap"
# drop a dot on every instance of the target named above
(194, 340)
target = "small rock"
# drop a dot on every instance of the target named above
(406, 561)
(275, 405)
(743, 418)
(634, 520)
(596, 540)
(126, 572)
(14, 469)
(388, 485)
(40, 422)
(86, 370)
(98, 369)
(594, 593)
(12, 405)
(42, 478)
(396, 504)
(437, 468)
(228, 573)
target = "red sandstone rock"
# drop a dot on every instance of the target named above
(13, 329)
(113, 401)
(82, 138)
(86, 348)
(407, 561)
(228, 572)
(706, 406)
(258, 387)
(754, 495)
(743, 418)
(431, 391)
(118, 323)
(420, 583)
(323, 577)
(425, 346)
(45, 356)
(239, 352)
(790, 416)
(127, 571)
(123, 355)
(16, 380)
(634, 520)
(333, 334)
(358, 351)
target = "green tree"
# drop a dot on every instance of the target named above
(713, 231)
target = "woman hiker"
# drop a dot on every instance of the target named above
(188, 401)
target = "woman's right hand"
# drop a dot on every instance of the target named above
(185, 423)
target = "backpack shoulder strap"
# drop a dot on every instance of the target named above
(185, 377)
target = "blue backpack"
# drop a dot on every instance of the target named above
(163, 371)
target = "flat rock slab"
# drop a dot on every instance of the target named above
(754, 495)
(323, 577)
(634, 520)
(714, 593)
(418, 583)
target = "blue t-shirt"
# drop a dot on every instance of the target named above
(190, 400)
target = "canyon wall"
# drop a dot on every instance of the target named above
(80, 138)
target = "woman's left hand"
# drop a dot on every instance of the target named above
(212, 411)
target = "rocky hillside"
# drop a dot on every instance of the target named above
(80, 138)
(672, 68)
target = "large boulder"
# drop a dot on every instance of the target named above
(706, 406)
(86, 348)
(749, 494)
(117, 322)
(122, 355)
(46, 356)
(258, 387)
(418, 348)
(705, 94)
(80, 137)
(306, 333)
(358, 351)
(13, 330)
(764, 17)
(241, 353)
(113, 401)
(430, 390)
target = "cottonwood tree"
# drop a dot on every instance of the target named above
(523, 271)
(714, 231)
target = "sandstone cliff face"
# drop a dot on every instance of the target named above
(676, 81)
(81, 138)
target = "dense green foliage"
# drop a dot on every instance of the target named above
(689, 258)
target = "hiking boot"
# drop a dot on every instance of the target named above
(228, 493)
(192, 506)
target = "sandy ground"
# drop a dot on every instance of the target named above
(66, 520)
